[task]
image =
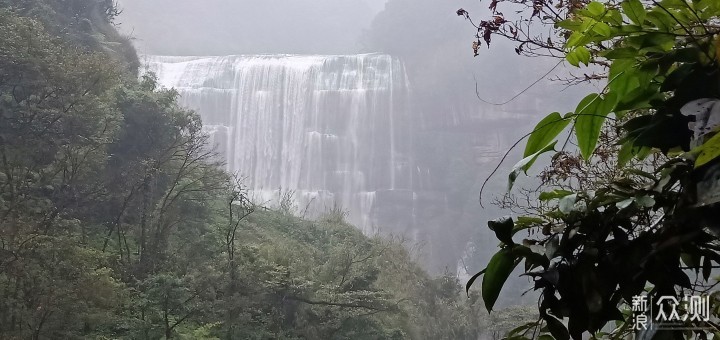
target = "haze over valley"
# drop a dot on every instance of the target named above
(390, 143)
(359, 169)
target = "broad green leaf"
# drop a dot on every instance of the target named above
(678, 4)
(627, 29)
(645, 201)
(652, 42)
(623, 76)
(643, 153)
(625, 203)
(587, 124)
(613, 17)
(556, 327)
(608, 102)
(576, 39)
(692, 260)
(583, 55)
(472, 280)
(625, 154)
(534, 256)
(591, 114)
(708, 151)
(549, 195)
(635, 11)
(503, 229)
(621, 66)
(620, 53)
(572, 58)
(545, 132)
(660, 19)
(588, 104)
(711, 7)
(526, 163)
(707, 268)
(524, 222)
(639, 98)
(569, 24)
(588, 33)
(587, 23)
(596, 9)
(497, 272)
(602, 29)
(677, 77)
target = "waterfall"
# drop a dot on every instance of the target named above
(333, 129)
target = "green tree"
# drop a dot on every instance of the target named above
(117, 221)
(644, 224)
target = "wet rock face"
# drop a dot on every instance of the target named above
(333, 129)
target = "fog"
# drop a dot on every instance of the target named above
(442, 140)
(358, 169)
(220, 27)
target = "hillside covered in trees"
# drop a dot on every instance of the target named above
(116, 221)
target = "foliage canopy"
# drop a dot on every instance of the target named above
(649, 222)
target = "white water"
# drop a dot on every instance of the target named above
(334, 129)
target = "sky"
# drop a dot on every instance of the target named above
(376, 5)
(220, 27)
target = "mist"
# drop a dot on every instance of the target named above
(223, 27)
(359, 169)
(447, 135)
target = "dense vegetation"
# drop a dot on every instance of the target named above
(634, 211)
(116, 221)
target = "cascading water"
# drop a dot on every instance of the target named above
(333, 129)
